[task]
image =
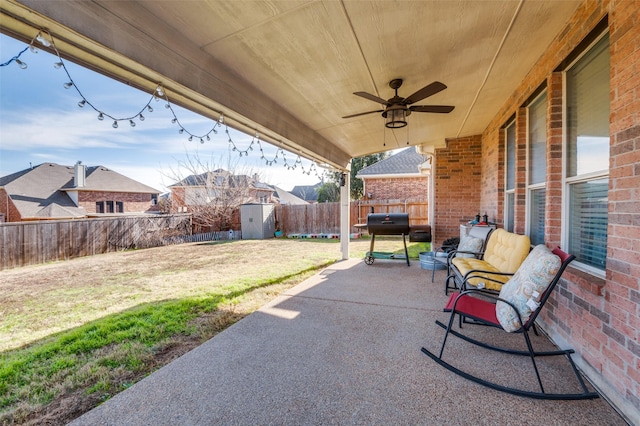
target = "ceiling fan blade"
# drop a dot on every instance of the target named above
(425, 92)
(442, 109)
(371, 97)
(362, 113)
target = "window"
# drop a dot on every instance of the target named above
(537, 161)
(109, 206)
(587, 156)
(510, 178)
(119, 207)
(99, 206)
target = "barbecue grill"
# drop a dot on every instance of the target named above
(393, 224)
(387, 224)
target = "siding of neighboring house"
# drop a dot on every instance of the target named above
(399, 177)
(596, 314)
(397, 188)
(8, 209)
(132, 202)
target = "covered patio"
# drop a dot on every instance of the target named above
(288, 71)
(343, 347)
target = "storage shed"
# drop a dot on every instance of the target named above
(257, 221)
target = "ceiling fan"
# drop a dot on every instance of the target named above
(397, 109)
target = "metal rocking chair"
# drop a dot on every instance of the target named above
(482, 310)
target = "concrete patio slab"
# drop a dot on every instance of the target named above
(343, 347)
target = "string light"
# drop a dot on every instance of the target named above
(45, 39)
(15, 59)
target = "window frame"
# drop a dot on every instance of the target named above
(586, 177)
(531, 187)
(509, 194)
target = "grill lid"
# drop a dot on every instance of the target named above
(388, 223)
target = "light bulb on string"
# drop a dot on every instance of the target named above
(181, 131)
(43, 41)
(81, 103)
(57, 65)
(141, 117)
(201, 140)
(159, 91)
(208, 138)
(21, 64)
(132, 123)
(101, 116)
(174, 121)
(68, 85)
(190, 138)
(115, 124)
(149, 108)
(168, 106)
(33, 48)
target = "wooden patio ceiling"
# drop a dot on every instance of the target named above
(288, 69)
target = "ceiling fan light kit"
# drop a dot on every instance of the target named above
(397, 109)
(395, 117)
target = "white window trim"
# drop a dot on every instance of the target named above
(567, 181)
(507, 192)
(535, 186)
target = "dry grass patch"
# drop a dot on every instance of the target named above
(74, 333)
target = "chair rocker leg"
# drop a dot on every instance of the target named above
(505, 350)
(506, 389)
(586, 394)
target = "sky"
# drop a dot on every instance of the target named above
(41, 122)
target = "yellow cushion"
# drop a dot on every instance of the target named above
(506, 251)
(465, 265)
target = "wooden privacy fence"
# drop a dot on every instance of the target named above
(28, 243)
(325, 217)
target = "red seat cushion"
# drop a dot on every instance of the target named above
(473, 307)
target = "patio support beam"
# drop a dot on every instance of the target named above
(345, 203)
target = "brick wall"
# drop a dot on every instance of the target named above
(458, 186)
(132, 202)
(11, 214)
(599, 318)
(414, 188)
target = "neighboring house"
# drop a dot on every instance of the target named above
(51, 191)
(402, 176)
(222, 187)
(285, 197)
(307, 192)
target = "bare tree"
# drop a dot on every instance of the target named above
(213, 194)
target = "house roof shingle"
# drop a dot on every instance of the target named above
(306, 192)
(407, 161)
(41, 192)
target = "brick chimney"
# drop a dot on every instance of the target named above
(79, 175)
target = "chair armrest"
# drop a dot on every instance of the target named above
(470, 274)
(477, 254)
